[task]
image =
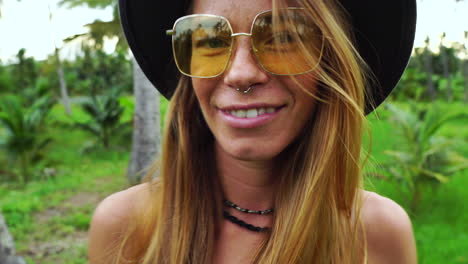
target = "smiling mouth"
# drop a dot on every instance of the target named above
(252, 112)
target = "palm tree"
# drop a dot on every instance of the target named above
(7, 246)
(61, 75)
(445, 67)
(465, 67)
(425, 158)
(429, 70)
(146, 120)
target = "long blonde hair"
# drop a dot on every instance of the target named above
(317, 204)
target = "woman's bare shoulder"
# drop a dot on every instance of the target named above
(117, 205)
(389, 232)
(110, 220)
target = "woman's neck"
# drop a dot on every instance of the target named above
(249, 184)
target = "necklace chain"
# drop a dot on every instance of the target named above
(243, 224)
(248, 211)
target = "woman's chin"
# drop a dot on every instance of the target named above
(251, 152)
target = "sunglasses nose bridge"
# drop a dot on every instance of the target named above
(241, 34)
(235, 45)
(243, 68)
(235, 35)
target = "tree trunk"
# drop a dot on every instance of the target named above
(465, 67)
(7, 247)
(146, 126)
(445, 65)
(465, 77)
(63, 84)
(429, 71)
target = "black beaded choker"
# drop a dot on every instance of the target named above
(244, 210)
(241, 223)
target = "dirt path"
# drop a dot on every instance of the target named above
(58, 240)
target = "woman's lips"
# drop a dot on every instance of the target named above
(249, 117)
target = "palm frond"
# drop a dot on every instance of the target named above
(436, 119)
(435, 175)
(92, 128)
(407, 122)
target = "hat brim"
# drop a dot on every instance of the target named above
(384, 33)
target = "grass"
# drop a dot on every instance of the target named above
(440, 225)
(45, 216)
(49, 218)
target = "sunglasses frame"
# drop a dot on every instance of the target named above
(172, 32)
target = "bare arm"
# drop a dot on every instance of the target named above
(389, 232)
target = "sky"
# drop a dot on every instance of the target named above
(26, 25)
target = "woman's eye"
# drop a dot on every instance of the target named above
(212, 43)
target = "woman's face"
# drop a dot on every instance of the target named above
(260, 124)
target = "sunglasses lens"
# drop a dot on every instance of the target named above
(202, 45)
(288, 43)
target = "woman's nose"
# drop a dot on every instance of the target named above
(243, 70)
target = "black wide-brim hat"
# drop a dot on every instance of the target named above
(384, 33)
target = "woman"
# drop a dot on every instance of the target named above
(261, 157)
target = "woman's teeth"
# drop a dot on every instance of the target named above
(251, 113)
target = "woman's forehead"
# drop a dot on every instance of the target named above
(238, 12)
(226, 7)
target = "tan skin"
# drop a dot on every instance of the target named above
(246, 156)
(388, 230)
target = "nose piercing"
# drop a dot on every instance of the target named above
(244, 91)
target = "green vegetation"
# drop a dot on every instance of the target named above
(105, 112)
(440, 221)
(49, 218)
(24, 141)
(425, 158)
(53, 175)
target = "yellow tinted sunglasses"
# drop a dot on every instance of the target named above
(287, 43)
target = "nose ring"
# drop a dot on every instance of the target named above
(244, 91)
